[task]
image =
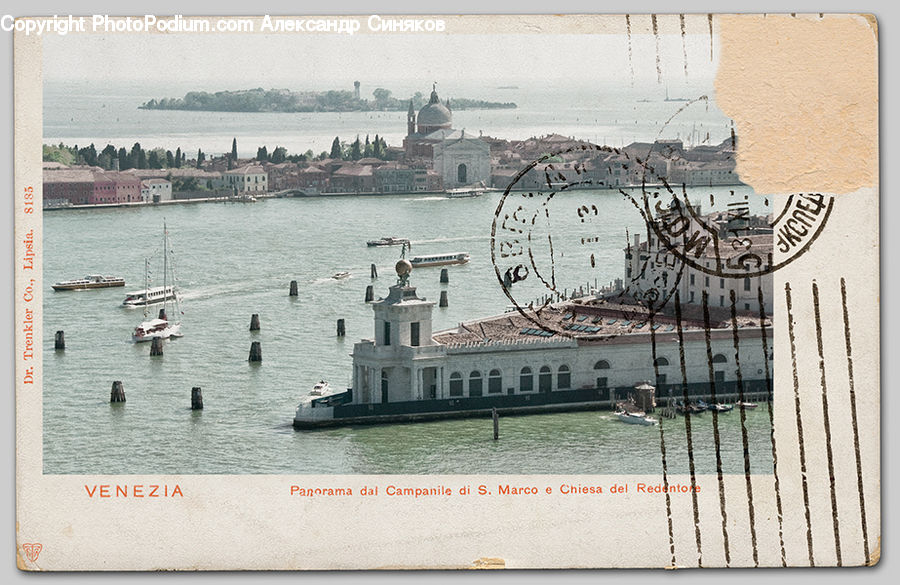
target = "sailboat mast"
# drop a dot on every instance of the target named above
(165, 270)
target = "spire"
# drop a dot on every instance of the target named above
(411, 111)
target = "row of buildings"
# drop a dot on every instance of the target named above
(434, 157)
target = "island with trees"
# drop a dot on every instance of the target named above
(283, 100)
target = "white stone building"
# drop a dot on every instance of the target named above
(463, 161)
(250, 178)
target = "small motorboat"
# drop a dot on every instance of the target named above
(322, 388)
(715, 407)
(689, 408)
(90, 281)
(635, 418)
(340, 275)
(746, 405)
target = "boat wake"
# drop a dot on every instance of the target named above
(460, 239)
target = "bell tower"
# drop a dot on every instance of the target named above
(410, 120)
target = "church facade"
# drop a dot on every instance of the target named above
(458, 159)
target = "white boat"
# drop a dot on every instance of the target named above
(323, 388)
(746, 405)
(161, 327)
(388, 242)
(465, 192)
(149, 296)
(340, 275)
(635, 418)
(90, 281)
(439, 259)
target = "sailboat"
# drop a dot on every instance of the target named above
(161, 327)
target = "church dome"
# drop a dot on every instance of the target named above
(434, 113)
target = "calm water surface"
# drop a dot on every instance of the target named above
(233, 260)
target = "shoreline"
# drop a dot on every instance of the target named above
(297, 194)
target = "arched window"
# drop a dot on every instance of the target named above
(456, 384)
(475, 383)
(563, 378)
(495, 382)
(462, 174)
(661, 361)
(719, 359)
(526, 380)
(601, 365)
(545, 379)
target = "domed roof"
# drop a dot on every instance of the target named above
(434, 113)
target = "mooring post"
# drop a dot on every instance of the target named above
(373, 272)
(443, 301)
(255, 352)
(445, 276)
(59, 341)
(370, 293)
(340, 328)
(496, 423)
(293, 292)
(118, 392)
(254, 322)
(196, 398)
(156, 346)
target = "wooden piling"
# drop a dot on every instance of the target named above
(196, 398)
(254, 322)
(443, 301)
(59, 341)
(293, 292)
(255, 352)
(445, 276)
(370, 293)
(341, 331)
(496, 418)
(118, 392)
(156, 346)
(373, 272)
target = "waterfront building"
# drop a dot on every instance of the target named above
(462, 161)
(651, 265)
(249, 178)
(156, 190)
(352, 178)
(585, 354)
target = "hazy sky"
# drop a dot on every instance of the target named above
(299, 60)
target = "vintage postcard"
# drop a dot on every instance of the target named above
(446, 291)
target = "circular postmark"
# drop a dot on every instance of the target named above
(546, 248)
(729, 242)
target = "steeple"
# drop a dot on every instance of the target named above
(410, 120)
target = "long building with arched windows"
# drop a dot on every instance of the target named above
(581, 354)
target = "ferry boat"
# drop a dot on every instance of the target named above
(90, 281)
(439, 259)
(388, 242)
(464, 192)
(149, 296)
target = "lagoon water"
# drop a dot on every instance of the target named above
(236, 259)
